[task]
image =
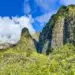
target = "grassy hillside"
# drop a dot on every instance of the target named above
(59, 30)
(60, 62)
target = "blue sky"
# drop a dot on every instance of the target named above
(31, 14)
(39, 10)
(11, 7)
(42, 10)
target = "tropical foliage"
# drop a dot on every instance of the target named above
(60, 62)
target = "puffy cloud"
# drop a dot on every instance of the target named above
(10, 28)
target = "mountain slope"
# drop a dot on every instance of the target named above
(26, 42)
(25, 45)
(22, 58)
(61, 61)
(59, 30)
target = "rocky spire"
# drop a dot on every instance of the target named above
(59, 30)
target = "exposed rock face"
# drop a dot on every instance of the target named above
(59, 30)
(25, 43)
(57, 33)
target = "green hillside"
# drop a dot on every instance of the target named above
(24, 59)
(59, 30)
(61, 61)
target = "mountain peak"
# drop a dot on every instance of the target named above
(25, 38)
(59, 30)
(25, 32)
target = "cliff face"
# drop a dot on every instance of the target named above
(59, 30)
(26, 42)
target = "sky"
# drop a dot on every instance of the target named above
(42, 10)
(32, 14)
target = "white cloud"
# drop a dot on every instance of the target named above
(11, 28)
(27, 8)
(46, 5)
(43, 19)
(67, 2)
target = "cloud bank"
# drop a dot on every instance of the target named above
(11, 28)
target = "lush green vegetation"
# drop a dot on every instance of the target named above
(59, 30)
(23, 59)
(60, 62)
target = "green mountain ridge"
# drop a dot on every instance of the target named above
(59, 30)
(28, 56)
